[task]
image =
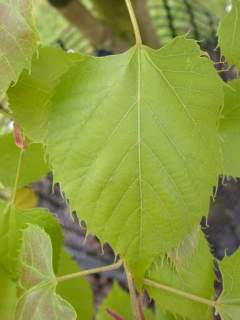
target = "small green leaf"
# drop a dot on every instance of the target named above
(228, 34)
(195, 276)
(12, 223)
(39, 300)
(76, 291)
(228, 304)
(34, 165)
(18, 40)
(230, 129)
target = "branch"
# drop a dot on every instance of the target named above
(99, 35)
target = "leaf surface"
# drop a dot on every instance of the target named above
(193, 275)
(132, 143)
(228, 35)
(39, 300)
(18, 40)
(33, 166)
(230, 129)
(228, 304)
(8, 292)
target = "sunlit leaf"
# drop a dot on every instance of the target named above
(133, 141)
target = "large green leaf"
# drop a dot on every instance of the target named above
(228, 304)
(230, 129)
(18, 40)
(228, 34)
(76, 291)
(39, 300)
(34, 164)
(192, 273)
(12, 223)
(133, 141)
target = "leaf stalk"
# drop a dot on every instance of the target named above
(134, 22)
(74, 275)
(181, 293)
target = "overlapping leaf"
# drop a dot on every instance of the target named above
(34, 164)
(8, 291)
(228, 34)
(12, 222)
(18, 40)
(39, 300)
(132, 141)
(228, 304)
(230, 129)
(192, 274)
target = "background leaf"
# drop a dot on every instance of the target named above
(34, 165)
(230, 128)
(39, 300)
(194, 274)
(12, 223)
(228, 34)
(18, 40)
(76, 291)
(228, 304)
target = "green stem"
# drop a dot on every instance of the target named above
(136, 308)
(110, 267)
(181, 293)
(14, 192)
(134, 22)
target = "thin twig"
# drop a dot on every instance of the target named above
(134, 22)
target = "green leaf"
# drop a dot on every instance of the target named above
(39, 300)
(228, 34)
(193, 275)
(18, 40)
(228, 304)
(12, 223)
(34, 164)
(230, 129)
(76, 291)
(133, 142)
(118, 301)
(8, 292)
(30, 98)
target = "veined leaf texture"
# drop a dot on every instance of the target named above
(131, 138)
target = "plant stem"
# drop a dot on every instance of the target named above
(110, 267)
(181, 293)
(136, 309)
(134, 22)
(13, 196)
